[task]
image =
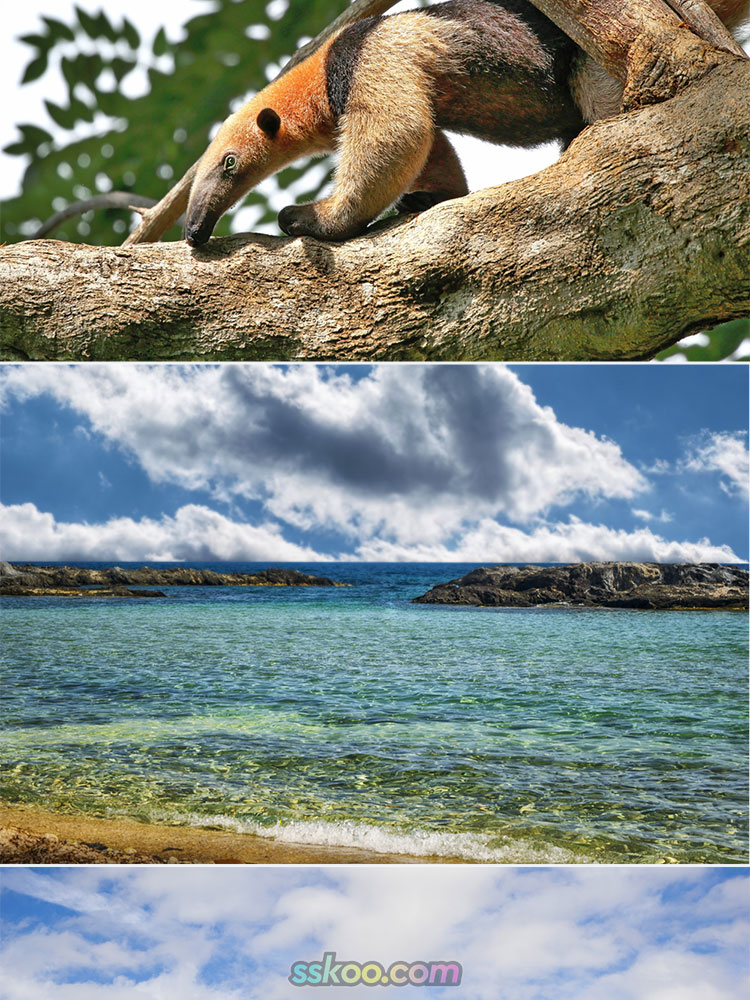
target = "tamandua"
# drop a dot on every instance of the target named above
(382, 90)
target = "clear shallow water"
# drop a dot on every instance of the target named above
(350, 716)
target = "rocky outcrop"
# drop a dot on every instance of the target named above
(20, 847)
(597, 584)
(28, 580)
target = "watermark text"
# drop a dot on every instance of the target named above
(329, 972)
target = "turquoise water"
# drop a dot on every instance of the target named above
(350, 716)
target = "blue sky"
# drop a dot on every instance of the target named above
(207, 933)
(472, 463)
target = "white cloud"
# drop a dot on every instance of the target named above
(664, 517)
(724, 452)
(194, 533)
(409, 452)
(570, 541)
(197, 533)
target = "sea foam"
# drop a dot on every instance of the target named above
(382, 840)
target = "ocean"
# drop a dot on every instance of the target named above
(350, 716)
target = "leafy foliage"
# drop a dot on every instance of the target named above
(142, 144)
(724, 341)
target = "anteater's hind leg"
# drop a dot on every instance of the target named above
(441, 178)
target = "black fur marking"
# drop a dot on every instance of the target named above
(342, 60)
(269, 122)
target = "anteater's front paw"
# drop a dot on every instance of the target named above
(297, 220)
(315, 220)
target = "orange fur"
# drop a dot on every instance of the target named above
(307, 129)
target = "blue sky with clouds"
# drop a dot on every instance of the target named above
(473, 463)
(207, 933)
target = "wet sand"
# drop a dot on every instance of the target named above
(33, 836)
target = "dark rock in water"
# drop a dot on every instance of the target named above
(12, 588)
(28, 580)
(598, 584)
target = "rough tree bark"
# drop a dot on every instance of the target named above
(639, 235)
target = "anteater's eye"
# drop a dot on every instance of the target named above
(230, 163)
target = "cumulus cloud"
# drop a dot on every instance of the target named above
(726, 453)
(570, 541)
(197, 533)
(408, 451)
(194, 533)
(521, 934)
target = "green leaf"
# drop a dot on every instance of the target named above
(58, 31)
(97, 25)
(40, 42)
(110, 102)
(88, 23)
(36, 68)
(90, 68)
(30, 141)
(69, 69)
(16, 149)
(34, 135)
(131, 34)
(121, 67)
(723, 341)
(63, 117)
(161, 45)
(81, 112)
(106, 27)
(83, 68)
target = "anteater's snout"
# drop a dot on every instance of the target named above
(199, 227)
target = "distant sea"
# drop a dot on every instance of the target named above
(349, 716)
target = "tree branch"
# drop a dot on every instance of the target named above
(165, 214)
(639, 235)
(115, 199)
(157, 220)
(698, 16)
(607, 29)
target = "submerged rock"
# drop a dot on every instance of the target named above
(26, 590)
(598, 584)
(28, 580)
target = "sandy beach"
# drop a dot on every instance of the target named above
(33, 836)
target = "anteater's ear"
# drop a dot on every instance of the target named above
(269, 122)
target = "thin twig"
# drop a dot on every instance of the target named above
(115, 199)
(157, 220)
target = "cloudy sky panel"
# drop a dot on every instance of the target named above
(393, 462)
